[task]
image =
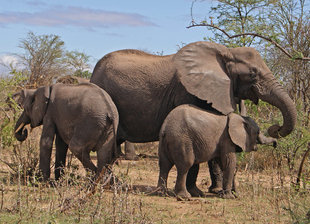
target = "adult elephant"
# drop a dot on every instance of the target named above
(145, 88)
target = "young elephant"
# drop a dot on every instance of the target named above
(190, 135)
(82, 117)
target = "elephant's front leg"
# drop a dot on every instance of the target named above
(46, 144)
(229, 166)
(61, 154)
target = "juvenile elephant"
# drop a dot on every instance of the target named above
(190, 135)
(69, 79)
(82, 117)
(208, 75)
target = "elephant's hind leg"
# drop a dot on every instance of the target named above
(164, 167)
(107, 152)
(61, 153)
(180, 185)
(191, 182)
(81, 151)
(184, 160)
(216, 175)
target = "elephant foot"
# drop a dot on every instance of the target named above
(215, 190)
(227, 194)
(131, 156)
(196, 192)
(183, 196)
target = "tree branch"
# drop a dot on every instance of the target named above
(249, 34)
(301, 166)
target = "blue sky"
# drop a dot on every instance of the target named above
(98, 27)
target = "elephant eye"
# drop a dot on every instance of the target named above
(253, 70)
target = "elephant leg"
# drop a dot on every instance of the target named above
(46, 144)
(164, 167)
(234, 188)
(229, 167)
(130, 153)
(61, 154)
(191, 182)
(79, 149)
(105, 154)
(180, 184)
(216, 176)
(84, 157)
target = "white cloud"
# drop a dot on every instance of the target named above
(6, 61)
(75, 16)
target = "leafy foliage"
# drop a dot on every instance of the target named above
(240, 16)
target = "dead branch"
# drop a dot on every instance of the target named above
(301, 165)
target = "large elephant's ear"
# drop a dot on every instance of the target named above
(237, 131)
(201, 67)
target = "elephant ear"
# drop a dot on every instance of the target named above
(39, 105)
(238, 131)
(26, 98)
(201, 68)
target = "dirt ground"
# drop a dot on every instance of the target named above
(263, 198)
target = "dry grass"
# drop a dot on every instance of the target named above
(262, 198)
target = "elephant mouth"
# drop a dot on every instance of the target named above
(21, 132)
(249, 94)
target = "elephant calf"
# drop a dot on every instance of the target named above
(82, 117)
(190, 135)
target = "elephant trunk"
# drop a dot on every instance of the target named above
(20, 132)
(276, 96)
(264, 140)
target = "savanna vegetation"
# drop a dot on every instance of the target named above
(273, 184)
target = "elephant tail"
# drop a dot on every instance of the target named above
(115, 151)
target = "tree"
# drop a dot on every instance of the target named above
(292, 24)
(239, 16)
(43, 57)
(78, 62)
(240, 22)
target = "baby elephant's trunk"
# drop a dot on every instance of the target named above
(262, 139)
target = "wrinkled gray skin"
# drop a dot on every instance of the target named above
(82, 117)
(129, 147)
(190, 135)
(145, 88)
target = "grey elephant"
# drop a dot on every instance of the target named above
(129, 147)
(190, 135)
(145, 88)
(82, 117)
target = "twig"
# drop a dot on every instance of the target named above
(2, 197)
(70, 201)
(301, 165)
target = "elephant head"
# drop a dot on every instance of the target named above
(35, 103)
(244, 132)
(223, 76)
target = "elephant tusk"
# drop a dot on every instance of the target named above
(20, 127)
